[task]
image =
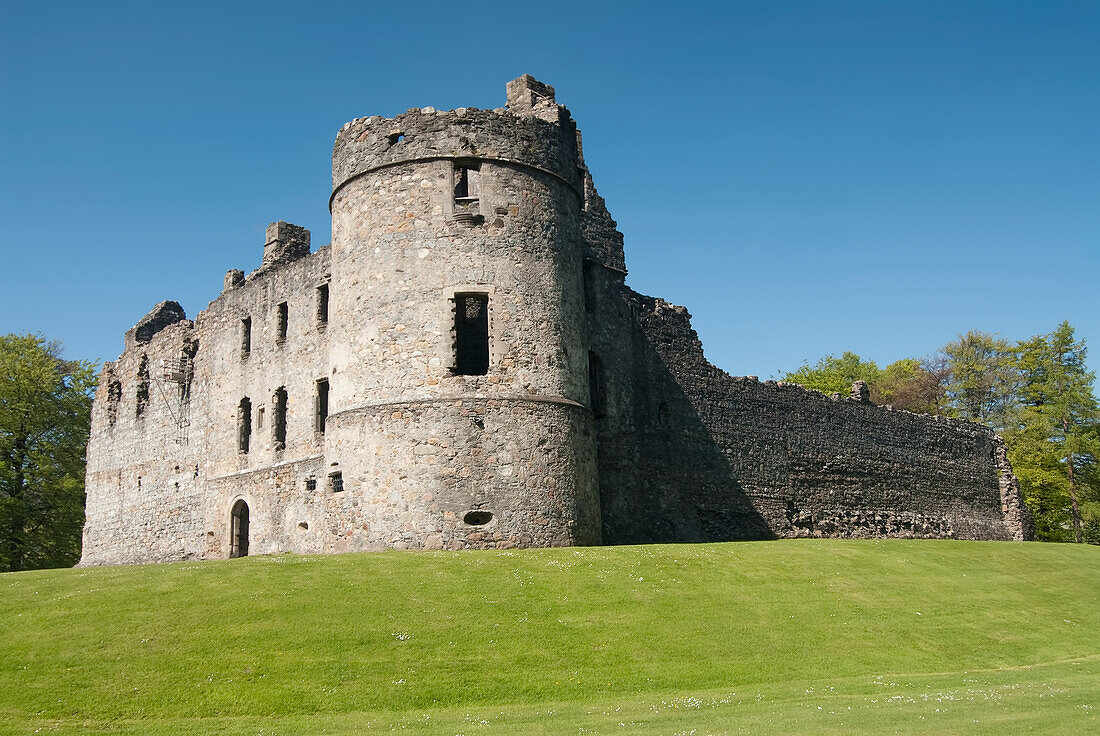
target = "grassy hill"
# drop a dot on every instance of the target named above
(744, 638)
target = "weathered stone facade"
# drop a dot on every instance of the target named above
(464, 367)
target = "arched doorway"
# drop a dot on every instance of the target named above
(238, 541)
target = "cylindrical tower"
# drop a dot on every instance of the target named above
(459, 379)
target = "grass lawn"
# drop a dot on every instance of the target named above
(814, 636)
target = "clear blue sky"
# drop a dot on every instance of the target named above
(806, 178)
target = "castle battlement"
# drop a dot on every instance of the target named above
(465, 367)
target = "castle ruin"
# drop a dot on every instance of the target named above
(464, 367)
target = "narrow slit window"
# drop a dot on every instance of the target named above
(322, 305)
(281, 322)
(244, 425)
(595, 385)
(278, 421)
(321, 410)
(471, 334)
(246, 336)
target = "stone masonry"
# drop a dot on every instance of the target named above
(464, 367)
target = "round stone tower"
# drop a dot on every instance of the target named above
(459, 370)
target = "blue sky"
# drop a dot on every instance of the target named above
(806, 178)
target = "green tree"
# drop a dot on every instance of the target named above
(832, 375)
(915, 385)
(981, 380)
(1054, 442)
(45, 408)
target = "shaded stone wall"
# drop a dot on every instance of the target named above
(699, 454)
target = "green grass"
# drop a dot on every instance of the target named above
(767, 637)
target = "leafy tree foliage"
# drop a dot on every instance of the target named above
(906, 384)
(981, 378)
(1054, 437)
(832, 375)
(45, 408)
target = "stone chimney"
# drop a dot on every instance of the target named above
(285, 243)
(529, 96)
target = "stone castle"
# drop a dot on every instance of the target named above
(464, 367)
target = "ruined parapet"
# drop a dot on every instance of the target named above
(284, 243)
(163, 315)
(529, 96)
(515, 138)
(860, 392)
(233, 278)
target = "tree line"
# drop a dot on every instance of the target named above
(1036, 393)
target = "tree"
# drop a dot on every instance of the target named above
(832, 375)
(981, 378)
(45, 411)
(1054, 441)
(911, 384)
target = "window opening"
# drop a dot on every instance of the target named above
(321, 409)
(311, 484)
(142, 387)
(238, 545)
(466, 183)
(278, 421)
(244, 425)
(246, 336)
(281, 322)
(114, 396)
(595, 385)
(322, 305)
(336, 482)
(467, 208)
(471, 334)
(588, 279)
(260, 418)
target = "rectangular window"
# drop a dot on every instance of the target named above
(280, 322)
(466, 182)
(244, 425)
(278, 421)
(336, 482)
(471, 334)
(311, 484)
(322, 305)
(320, 411)
(246, 336)
(588, 279)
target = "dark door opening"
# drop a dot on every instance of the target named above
(238, 546)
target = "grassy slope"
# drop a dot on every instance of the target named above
(769, 637)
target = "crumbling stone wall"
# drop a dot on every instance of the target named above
(324, 391)
(736, 458)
